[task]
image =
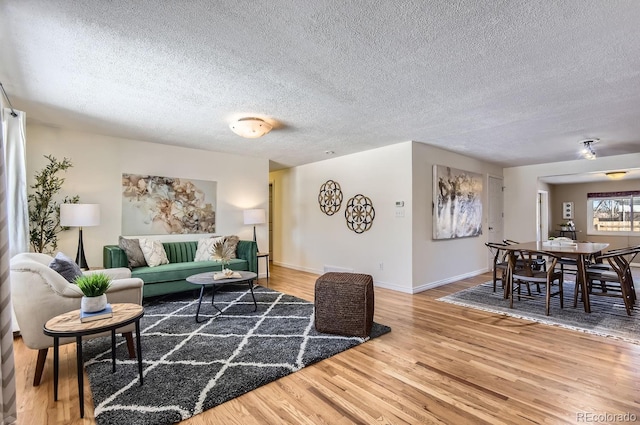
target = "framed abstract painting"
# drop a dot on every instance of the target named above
(457, 203)
(156, 205)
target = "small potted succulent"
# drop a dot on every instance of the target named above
(93, 286)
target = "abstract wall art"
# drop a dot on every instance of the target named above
(155, 205)
(457, 203)
(359, 213)
(330, 197)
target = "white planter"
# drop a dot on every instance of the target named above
(93, 304)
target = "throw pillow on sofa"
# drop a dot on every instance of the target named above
(66, 267)
(153, 252)
(131, 247)
(231, 244)
(204, 252)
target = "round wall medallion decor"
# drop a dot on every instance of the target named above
(330, 197)
(359, 213)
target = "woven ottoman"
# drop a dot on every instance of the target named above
(344, 304)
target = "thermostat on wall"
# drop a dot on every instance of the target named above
(399, 203)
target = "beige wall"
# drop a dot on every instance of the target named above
(577, 193)
(398, 251)
(521, 187)
(437, 262)
(400, 238)
(98, 164)
(307, 239)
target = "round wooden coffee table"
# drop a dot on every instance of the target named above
(69, 325)
(206, 279)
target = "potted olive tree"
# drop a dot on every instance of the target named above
(44, 209)
(93, 286)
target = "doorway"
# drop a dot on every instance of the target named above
(542, 216)
(270, 222)
(495, 213)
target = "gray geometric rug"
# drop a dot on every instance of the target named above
(608, 316)
(190, 367)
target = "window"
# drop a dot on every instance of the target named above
(613, 213)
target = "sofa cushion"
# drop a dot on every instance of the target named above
(66, 267)
(205, 248)
(153, 252)
(131, 247)
(180, 252)
(180, 271)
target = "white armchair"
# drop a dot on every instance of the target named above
(39, 293)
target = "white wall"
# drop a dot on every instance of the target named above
(98, 164)
(521, 186)
(436, 262)
(307, 239)
(577, 193)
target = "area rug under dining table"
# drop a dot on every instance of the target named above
(607, 318)
(190, 367)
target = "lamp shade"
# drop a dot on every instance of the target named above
(250, 128)
(255, 216)
(79, 215)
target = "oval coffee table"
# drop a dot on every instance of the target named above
(206, 279)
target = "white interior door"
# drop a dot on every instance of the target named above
(495, 212)
(542, 216)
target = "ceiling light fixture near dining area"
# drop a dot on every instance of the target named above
(587, 148)
(250, 127)
(616, 175)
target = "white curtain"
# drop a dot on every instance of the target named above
(8, 411)
(14, 151)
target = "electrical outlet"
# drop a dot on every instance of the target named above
(381, 266)
(399, 212)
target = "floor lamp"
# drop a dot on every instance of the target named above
(80, 215)
(255, 216)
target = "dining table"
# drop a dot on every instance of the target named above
(580, 251)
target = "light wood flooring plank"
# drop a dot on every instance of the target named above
(441, 364)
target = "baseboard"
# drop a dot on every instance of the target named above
(302, 269)
(376, 283)
(391, 286)
(452, 279)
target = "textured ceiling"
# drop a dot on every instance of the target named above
(511, 82)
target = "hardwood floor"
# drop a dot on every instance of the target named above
(441, 364)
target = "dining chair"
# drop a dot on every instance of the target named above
(529, 274)
(539, 263)
(500, 262)
(614, 279)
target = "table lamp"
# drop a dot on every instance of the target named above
(80, 215)
(255, 216)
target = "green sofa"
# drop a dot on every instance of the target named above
(171, 278)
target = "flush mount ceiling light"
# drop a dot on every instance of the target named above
(616, 175)
(587, 149)
(250, 127)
